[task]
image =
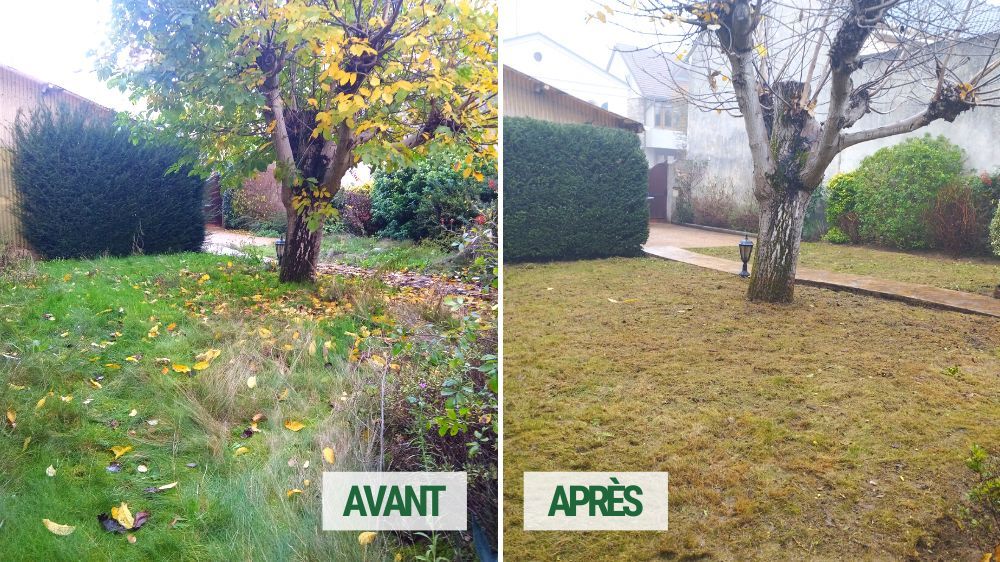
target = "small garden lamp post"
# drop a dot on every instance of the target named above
(279, 249)
(746, 248)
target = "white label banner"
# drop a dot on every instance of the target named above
(394, 501)
(590, 501)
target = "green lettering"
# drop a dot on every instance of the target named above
(374, 506)
(354, 502)
(560, 503)
(396, 503)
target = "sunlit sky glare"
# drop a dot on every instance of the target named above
(50, 40)
(565, 21)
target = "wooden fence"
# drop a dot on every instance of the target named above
(22, 93)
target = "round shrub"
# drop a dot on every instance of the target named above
(840, 207)
(86, 189)
(572, 192)
(836, 236)
(899, 186)
(429, 200)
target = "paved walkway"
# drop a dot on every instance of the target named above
(896, 290)
(231, 242)
(666, 234)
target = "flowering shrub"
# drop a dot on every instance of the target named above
(995, 232)
(477, 248)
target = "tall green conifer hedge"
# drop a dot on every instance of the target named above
(86, 189)
(572, 192)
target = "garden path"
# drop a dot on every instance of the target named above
(669, 241)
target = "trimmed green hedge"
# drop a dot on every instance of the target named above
(86, 189)
(572, 192)
(897, 187)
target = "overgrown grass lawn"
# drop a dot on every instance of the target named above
(835, 428)
(972, 275)
(101, 358)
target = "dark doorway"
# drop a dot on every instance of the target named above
(658, 185)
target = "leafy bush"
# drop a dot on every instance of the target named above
(429, 200)
(984, 515)
(898, 187)
(478, 250)
(815, 225)
(953, 221)
(87, 190)
(572, 191)
(986, 196)
(356, 213)
(716, 205)
(842, 193)
(995, 231)
(836, 236)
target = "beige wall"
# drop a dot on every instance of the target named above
(20, 92)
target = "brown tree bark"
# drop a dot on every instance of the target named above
(779, 234)
(302, 248)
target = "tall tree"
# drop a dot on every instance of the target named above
(317, 86)
(802, 74)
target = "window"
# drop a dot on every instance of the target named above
(666, 116)
(604, 105)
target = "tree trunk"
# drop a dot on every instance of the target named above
(301, 251)
(779, 234)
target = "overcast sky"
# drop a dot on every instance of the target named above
(565, 21)
(50, 39)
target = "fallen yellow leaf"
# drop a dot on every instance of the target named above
(40, 403)
(51, 471)
(366, 538)
(328, 455)
(171, 326)
(264, 332)
(179, 368)
(120, 450)
(168, 486)
(123, 515)
(241, 451)
(292, 492)
(293, 425)
(11, 416)
(208, 356)
(200, 365)
(252, 382)
(312, 347)
(57, 529)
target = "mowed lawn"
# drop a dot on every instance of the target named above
(193, 387)
(835, 428)
(972, 275)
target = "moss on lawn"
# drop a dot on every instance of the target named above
(826, 429)
(972, 275)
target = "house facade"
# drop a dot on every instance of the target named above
(637, 84)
